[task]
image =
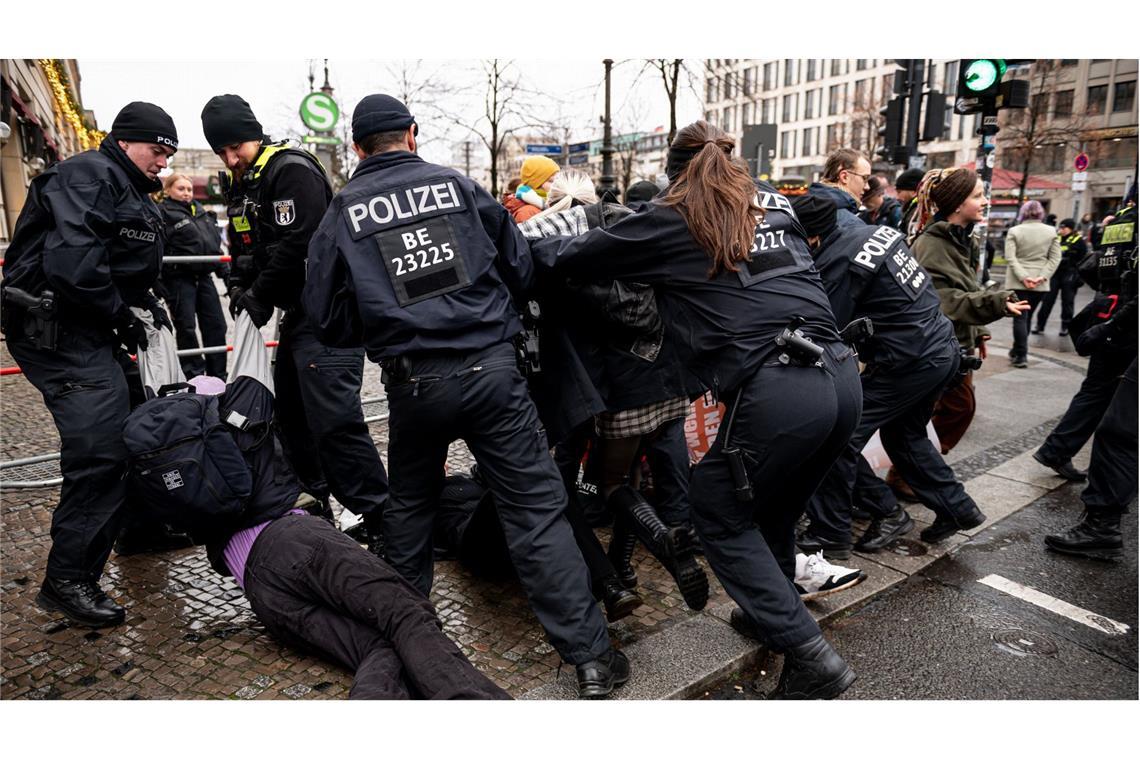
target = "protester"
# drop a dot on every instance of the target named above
(1032, 254)
(189, 290)
(906, 188)
(950, 203)
(615, 333)
(878, 207)
(1066, 280)
(535, 176)
(787, 421)
(845, 179)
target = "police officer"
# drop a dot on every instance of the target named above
(1105, 331)
(421, 263)
(745, 307)
(277, 198)
(1065, 280)
(189, 289)
(86, 248)
(910, 356)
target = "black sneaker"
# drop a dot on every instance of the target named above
(81, 602)
(597, 678)
(1064, 469)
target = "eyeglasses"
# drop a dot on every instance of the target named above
(865, 177)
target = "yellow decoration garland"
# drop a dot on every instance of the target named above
(66, 104)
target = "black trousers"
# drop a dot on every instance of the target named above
(481, 397)
(1021, 324)
(1087, 407)
(1065, 282)
(316, 589)
(193, 298)
(668, 454)
(791, 423)
(321, 422)
(897, 404)
(1112, 467)
(85, 390)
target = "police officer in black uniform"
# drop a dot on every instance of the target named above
(277, 198)
(421, 264)
(1066, 280)
(1105, 331)
(191, 230)
(910, 354)
(86, 248)
(759, 334)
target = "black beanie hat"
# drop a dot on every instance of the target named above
(145, 122)
(1070, 223)
(641, 191)
(228, 119)
(380, 113)
(816, 213)
(909, 179)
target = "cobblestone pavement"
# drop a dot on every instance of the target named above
(190, 633)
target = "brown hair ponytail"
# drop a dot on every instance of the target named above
(714, 195)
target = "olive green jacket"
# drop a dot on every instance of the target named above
(950, 255)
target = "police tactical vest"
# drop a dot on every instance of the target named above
(779, 246)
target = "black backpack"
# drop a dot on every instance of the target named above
(184, 463)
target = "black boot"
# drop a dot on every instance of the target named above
(884, 530)
(944, 527)
(813, 670)
(620, 552)
(619, 601)
(809, 543)
(672, 547)
(1096, 536)
(82, 602)
(599, 677)
(1065, 469)
(149, 538)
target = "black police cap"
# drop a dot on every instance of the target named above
(380, 113)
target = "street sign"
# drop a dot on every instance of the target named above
(579, 147)
(1080, 176)
(1081, 162)
(544, 150)
(917, 161)
(320, 140)
(1080, 186)
(579, 158)
(319, 112)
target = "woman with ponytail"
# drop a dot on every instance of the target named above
(733, 275)
(949, 203)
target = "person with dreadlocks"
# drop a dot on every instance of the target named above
(941, 235)
(746, 309)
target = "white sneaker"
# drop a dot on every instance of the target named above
(816, 577)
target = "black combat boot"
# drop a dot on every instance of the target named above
(599, 677)
(618, 600)
(620, 552)
(82, 602)
(1065, 469)
(884, 530)
(809, 543)
(1096, 536)
(813, 670)
(673, 547)
(944, 527)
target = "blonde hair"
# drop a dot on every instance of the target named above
(570, 185)
(169, 180)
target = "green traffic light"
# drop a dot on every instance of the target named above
(981, 74)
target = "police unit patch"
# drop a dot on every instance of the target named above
(284, 213)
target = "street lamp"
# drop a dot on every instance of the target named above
(607, 181)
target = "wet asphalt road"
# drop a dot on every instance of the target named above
(944, 635)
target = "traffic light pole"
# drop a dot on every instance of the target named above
(984, 164)
(916, 72)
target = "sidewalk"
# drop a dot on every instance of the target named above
(190, 634)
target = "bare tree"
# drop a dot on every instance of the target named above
(1027, 132)
(628, 141)
(670, 71)
(865, 119)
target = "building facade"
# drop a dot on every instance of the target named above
(818, 105)
(43, 122)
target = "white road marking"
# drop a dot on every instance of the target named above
(1060, 607)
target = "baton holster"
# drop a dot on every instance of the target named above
(36, 315)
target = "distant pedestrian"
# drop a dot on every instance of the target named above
(878, 207)
(1066, 280)
(906, 188)
(1032, 254)
(534, 181)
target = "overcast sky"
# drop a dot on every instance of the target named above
(566, 91)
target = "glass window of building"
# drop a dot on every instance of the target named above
(1097, 98)
(809, 104)
(770, 76)
(833, 99)
(811, 69)
(789, 71)
(860, 64)
(787, 148)
(1063, 103)
(836, 66)
(749, 81)
(1123, 96)
(805, 144)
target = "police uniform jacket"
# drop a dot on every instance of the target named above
(869, 272)
(274, 209)
(90, 233)
(191, 230)
(412, 257)
(950, 256)
(1073, 250)
(723, 327)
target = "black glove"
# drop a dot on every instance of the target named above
(131, 333)
(158, 313)
(259, 312)
(234, 294)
